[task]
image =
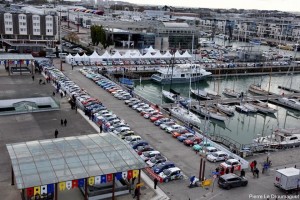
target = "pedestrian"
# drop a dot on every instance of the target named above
(65, 122)
(252, 166)
(136, 192)
(76, 108)
(72, 67)
(243, 173)
(101, 129)
(61, 122)
(222, 172)
(61, 94)
(40, 81)
(53, 93)
(227, 171)
(32, 77)
(155, 183)
(256, 171)
(56, 133)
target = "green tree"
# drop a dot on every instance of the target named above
(98, 35)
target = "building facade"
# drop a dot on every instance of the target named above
(25, 30)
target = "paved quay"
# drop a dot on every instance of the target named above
(183, 156)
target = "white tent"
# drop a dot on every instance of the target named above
(177, 54)
(136, 54)
(157, 55)
(150, 50)
(117, 55)
(69, 58)
(85, 58)
(77, 58)
(148, 55)
(106, 55)
(167, 55)
(94, 57)
(127, 55)
(186, 55)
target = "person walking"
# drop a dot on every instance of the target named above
(61, 95)
(252, 166)
(155, 183)
(243, 173)
(32, 77)
(136, 192)
(61, 122)
(53, 93)
(256, 171)
(65, 122)
(56, 133)
(101, 129)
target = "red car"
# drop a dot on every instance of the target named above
(89, 100)
(191, 141)
(156, 117)
(141, 149)
(176, 134)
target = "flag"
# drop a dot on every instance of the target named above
(129, 174)
(74, 183)
(44, 189)
(29, 192)
(103, 178)
(37, 190)
(109, 177)
(62, 186)
(124, 175)
(118, 176)
(91, 180)
(135, 173)
(50, 188)
(97, 180)
(69, 185)
(80, 182)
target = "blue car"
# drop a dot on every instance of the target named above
(185, 136)
(162, 166)
(138, 143)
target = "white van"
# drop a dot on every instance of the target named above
(62, 55)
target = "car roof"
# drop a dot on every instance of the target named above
(220, 152)
(232, 160)
(173, 169)
(228, 176)
(210, 148)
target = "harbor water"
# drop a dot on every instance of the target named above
(241, 127)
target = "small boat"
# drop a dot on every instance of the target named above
(293, 103)
(171, 96)
(209, 112)
(185, 116)
(256, 89)
(231, 93)
(279, 140)
(228, 110)
(250, 107)
(242, 108)
(205, 94)
(263, 107)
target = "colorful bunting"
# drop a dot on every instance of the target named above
(62, 186)
(109, 177)
(80, 182)
(68, 185)
(44, 189)
(91, 180)
(129, 174)
(50, 188)
(74, 183)
(103, 178)
(97, 180)
(118, 176)
(37, 190)
(135, 173)
(124, 175)
(29, 192)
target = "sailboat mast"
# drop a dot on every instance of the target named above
(269, 83)
(172, 70)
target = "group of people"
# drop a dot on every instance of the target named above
(254, 169)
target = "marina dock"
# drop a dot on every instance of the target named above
(288, 89)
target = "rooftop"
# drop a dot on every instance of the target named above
(175, 25)
(10, 56)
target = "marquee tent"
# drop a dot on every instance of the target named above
(77, 58)
(85, 58)
(106, 55)
(117, 55)
(69, 58)
(94, 57)
(186, 55)
(167, 55)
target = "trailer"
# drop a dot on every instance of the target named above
(287, 179)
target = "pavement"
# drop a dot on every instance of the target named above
(184, 157)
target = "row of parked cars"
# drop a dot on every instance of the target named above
(165, 169)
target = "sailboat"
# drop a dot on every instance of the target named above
(228, 110)
(205, 94)
(256, 89)
(231, 93)
(263, 107)
(209, 112)
(172, 95)
(185, 116)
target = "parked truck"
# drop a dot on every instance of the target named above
(287, 179)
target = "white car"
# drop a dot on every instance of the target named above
(173, 173)
(217, 156)
(132, 138)
(166, 125)
(141, 108)
(121, 129)
(210, 150)
(138, 105)
(149, 154)
(173, 128)
(231, 162)
(130, 100)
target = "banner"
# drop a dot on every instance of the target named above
(97, 180)
(129, 174)
(44, 189)
(103, 178)
(91, 180)
(124, 175)
(74, 183)
(135, 173)
(109, 177)
(62, 186)
(50, 188)
(80, 182)
(69, 185)
(29, 192)
(118, 176)
(37, 190)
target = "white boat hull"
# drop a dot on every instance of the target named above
(185, 116)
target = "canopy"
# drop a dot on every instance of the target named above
(77, 58)
(106, 55)
(186, 55)
(158, 55)
(167, 55)
(177, 54)
(85, 58)
(117, 55)
(68, 58)
(136, 54)
(150, 50)
(94, 57)
(148, 55)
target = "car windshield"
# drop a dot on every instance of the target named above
(160, 165)
(215, 155)
(167, 172)
(146, 154)
(228, 162)
(153, 160)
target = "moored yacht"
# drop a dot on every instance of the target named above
(205, 94)
(231, 93)
(209, 112)
(185, 115)
(293, 103)
(171, 96)
(279, 140)
(228, 110)
(256, 89)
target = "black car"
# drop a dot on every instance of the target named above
(229, 181)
